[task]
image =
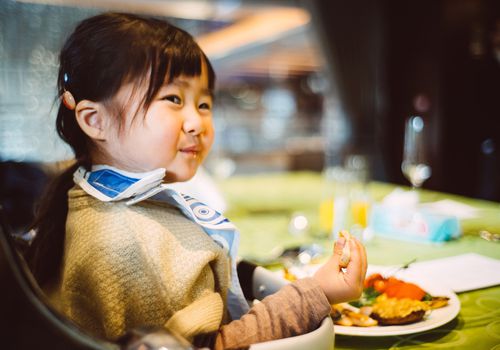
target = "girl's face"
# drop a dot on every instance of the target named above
(175, 133)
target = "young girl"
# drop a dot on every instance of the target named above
(116, 248)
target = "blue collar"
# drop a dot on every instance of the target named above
(107, 183)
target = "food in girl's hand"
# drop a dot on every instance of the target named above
(346, 251)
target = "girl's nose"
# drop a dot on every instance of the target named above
(193, 123)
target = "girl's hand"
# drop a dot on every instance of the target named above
(338, 285)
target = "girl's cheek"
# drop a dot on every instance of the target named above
(211, 136)
(210, 126)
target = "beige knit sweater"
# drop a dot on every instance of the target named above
(147, 265)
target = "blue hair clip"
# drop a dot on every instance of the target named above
(65, 78)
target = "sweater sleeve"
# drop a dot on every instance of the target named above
(296, 309)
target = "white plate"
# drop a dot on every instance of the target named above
(437, 317)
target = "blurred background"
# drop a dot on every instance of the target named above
(302, 86)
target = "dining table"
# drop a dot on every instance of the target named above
(263, 205)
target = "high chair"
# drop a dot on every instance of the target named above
(27, 321)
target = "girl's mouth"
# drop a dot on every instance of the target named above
(192, 151)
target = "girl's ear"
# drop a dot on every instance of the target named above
(91, 118)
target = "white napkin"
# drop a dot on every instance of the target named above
(459, 273)
(451, 207)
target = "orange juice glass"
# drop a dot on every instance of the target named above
(326, 215)
(359, 208)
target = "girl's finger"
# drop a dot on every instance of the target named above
(357, 267)
(354, 268)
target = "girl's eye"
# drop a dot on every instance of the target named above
(173, 98)
(204, 106)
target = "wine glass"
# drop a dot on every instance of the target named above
(415, 166)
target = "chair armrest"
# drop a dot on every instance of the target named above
(266, 282)
(322, 338)
(258, 282)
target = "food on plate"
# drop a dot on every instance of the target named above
(395, 311)
(387, 301)
(343, 315)
(366, 310)
(405, 290)
(344, 320)
(437, 302)
(361, 320)
(336, 311)
(393, 287)
(346, 252)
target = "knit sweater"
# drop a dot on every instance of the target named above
(148, 265)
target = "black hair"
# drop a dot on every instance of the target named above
(103, 53)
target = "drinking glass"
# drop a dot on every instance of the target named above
(415, 164)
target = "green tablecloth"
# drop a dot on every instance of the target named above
(262, 205)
